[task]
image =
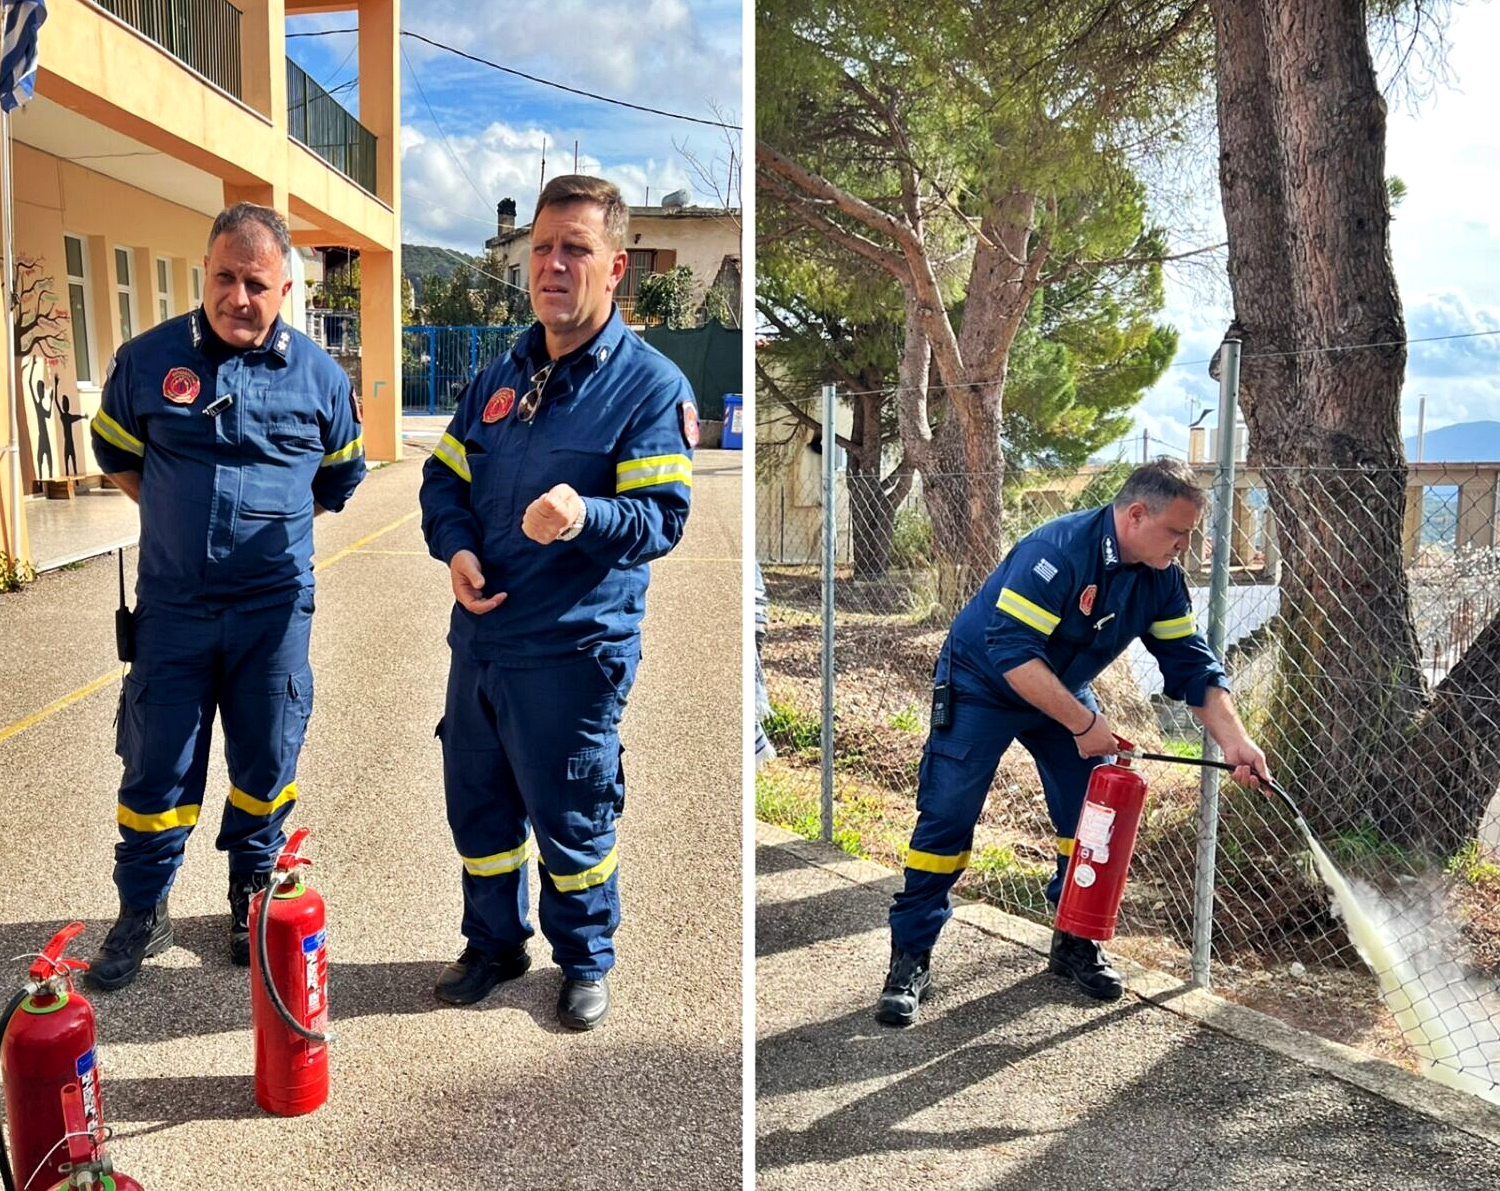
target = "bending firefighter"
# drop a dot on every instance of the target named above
(566, 469)
(231, 431)
(1067, 600)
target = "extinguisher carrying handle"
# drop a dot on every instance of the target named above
(291, 854)
(52, 963)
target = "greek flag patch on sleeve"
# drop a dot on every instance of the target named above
(1045, 571)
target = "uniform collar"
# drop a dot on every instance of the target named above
(1109, 545)
(278, 340)
(595, 354)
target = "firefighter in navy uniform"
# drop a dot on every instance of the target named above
(566, 469)
(1066, 601)
(231, 431)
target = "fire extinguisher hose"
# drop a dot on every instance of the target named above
(10, 1010)
(1286, 798)
(277, 880)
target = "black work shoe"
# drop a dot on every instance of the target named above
(1085, 961)
(582, 1004)
(135, 935)
(475, 973)
(241, 889)
(906, 986)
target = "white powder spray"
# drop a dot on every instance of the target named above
(1451, 1020)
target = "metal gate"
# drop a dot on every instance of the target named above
(438, 362)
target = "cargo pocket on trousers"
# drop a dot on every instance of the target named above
(130, 718)
(295, 713)
(592, 782)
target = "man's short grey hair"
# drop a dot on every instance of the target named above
(240, 221)
(1158, 484)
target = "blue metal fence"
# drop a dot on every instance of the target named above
(437, 362)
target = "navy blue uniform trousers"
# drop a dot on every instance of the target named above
(531, 764)
(249, 666)
(958, 766)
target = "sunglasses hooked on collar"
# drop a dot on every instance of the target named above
(526, 410)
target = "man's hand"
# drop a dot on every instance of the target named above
(1099, 740)
(1248, 761)
(468, 584)
(551, 513)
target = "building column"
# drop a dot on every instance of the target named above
(379, 86)
(13, 539)
(263, 58)
(380, 353)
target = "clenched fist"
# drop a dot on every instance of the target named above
(551, 513)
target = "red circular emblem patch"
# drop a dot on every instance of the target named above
(687, 413)
(1086, 600)
(499, 404)
(181, 386)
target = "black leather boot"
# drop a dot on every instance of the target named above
(582, 1004)
(242, 887)
(475, 973)
(135, 935)
(1084, 960)
(907, 984)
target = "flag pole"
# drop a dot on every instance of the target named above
(12, 448)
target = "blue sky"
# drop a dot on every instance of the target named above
(1445, 241)
(471, 136)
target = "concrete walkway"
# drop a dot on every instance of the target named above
(424, 1096)
(1013, 1080)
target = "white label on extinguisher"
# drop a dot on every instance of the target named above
(315, 965)
(1084, 875)
(87, 1068)
(1095, 826)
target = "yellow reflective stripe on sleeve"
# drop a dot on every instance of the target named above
(1170, 630)
(112, 432)
(1032, 615)
(259, 806)
(1064, 846)
(178, 816)
(344, 454)
(930, 862)
(452, 452)
(500, 862)
(577, 882)
(653, 470)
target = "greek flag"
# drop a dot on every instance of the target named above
(18, 63)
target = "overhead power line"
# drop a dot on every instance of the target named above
(537, 79)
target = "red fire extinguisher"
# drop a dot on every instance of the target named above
(289, 989)
(1102, 846)
(87, 1164)
(48, 1044)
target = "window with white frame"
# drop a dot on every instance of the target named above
(125, 293)
(164, 301)
(195, 276)
(80, 307)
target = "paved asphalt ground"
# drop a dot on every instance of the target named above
(1012, 1081)
(423, 1096)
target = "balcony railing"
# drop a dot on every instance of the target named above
(320, 122)
(201, 34)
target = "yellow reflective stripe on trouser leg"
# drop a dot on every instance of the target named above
(179, 816)
(260, 806)
(577, 882)
(1064, 846)
(500, 862)
(931, 862)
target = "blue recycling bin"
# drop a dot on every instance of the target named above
(733, 438)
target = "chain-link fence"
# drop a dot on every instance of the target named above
(1361, 638)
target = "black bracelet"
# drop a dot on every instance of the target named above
(1093, 719)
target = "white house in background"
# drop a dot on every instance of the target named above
(705, 239)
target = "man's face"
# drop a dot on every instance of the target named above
(574, 271)
(246, 282)
(1156, 539)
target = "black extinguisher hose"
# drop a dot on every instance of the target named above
(10, 1011)
(264, 952)
(1286, 798)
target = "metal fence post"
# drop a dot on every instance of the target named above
(1218, 599)
(830, 555)
(432, 370)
